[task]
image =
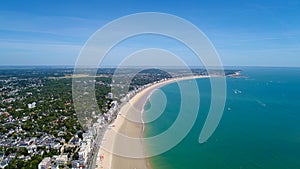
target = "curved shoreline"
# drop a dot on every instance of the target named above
(131, 129)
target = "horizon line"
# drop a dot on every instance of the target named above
(115, 66)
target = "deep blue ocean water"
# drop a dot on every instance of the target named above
(260, 127)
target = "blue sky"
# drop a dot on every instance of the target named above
(245, 33)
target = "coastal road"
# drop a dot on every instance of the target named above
(93, 156)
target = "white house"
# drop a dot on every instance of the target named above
(32, 105)
(45, 163)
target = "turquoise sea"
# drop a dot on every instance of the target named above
(260, 127)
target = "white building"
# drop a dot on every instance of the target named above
(45, 163)
(85, 148)
(32, 105)
(110, 95)
(114, 105)
(77, 164)
(61, 159)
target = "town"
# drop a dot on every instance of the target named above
(39, 125)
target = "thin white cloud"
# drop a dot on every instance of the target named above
(37, 46)
(52, 25)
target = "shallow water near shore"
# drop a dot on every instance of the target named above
(260, 126)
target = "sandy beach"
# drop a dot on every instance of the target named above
(114, 136)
